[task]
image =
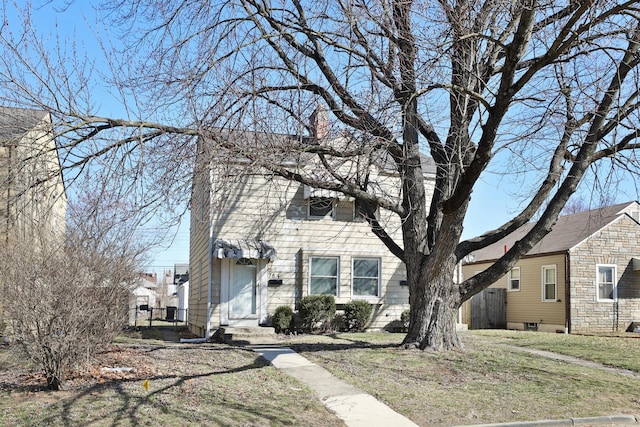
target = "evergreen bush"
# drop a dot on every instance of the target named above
(317, 312)
(404, 319)
(357, 314)
(282, 319)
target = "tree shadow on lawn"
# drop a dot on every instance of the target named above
(128, 405)
(340, 345)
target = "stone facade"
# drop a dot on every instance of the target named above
(615, 245)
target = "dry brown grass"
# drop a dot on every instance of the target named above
(215, 384)
(484, 383)
(210, 385)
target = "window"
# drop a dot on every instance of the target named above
(549, 283)
(359, 209)
(320, 207)
(606, 283)
(366, 277)
(514, 279)
(324, 276)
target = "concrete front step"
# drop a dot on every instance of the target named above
(247, 333)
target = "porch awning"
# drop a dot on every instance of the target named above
(322, 192)
(256, 249)
(635, 264)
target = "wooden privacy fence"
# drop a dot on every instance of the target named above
(489, 309)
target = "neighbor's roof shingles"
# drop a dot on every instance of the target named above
(568, 232)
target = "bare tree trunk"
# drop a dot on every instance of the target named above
(434, 303)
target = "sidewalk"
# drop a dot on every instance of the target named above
(354, 407)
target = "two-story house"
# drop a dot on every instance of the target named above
(259, 241)
(32, 193)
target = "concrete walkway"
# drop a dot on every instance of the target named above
(573, 360)
(354, 407)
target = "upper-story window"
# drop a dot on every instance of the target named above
(320, 207)
(513, 279)
(606, 285)
(360, 212)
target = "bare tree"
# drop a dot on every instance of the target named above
(549, 89)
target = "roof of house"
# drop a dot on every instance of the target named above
(286, 148)
(15, 122)
(568, 232)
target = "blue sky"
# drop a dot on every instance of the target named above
(492, 201)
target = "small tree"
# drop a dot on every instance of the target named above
(66, 303)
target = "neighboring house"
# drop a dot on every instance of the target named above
(183, 301)
(181, 282)
(166, 296)
(32, 196)
(142, 299)
(180, 273)
(259, 241)
(584, 276)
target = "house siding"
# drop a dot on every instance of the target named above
(526, 306)
(199, 250)
(250, 206)
(33, 199)
(616, 245)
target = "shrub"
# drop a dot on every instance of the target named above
(338, 323)
(68, 301)
(282, 319)
(356, 315)
(317, 312)
(404, 319)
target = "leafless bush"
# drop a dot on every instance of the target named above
(65, 300)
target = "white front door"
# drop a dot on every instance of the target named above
(243, 297)
(243, 290)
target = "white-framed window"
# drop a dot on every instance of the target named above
(365, 277)
(513, 279)
(549, 283)
(320, 207)
(323, 275)
(606, 282)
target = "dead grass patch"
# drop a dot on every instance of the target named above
(209, 384)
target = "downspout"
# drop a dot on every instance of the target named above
(567, 293)
(459, 274)
(9, 187)
(209, 255)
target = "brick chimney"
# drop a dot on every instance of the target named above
(319, 123)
